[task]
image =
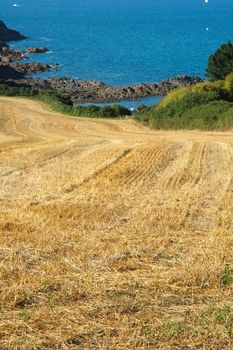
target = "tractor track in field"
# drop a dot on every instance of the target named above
(109, 229)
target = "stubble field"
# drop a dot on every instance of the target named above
(113, 236)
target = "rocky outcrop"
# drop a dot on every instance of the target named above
(32, 50)
(8, 73)
(89, 91)
(92, 91)
(7, 34)
(31, 68)
(8, 57)
(7, 54)
(3, 45)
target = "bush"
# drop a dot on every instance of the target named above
(208, 87)
(196, 110)
(220, 64)
(174, 96)
(208, 116)
(195, 99)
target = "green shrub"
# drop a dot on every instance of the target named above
(196, 110)
(174, 96)
(210, 86)
(192, 99)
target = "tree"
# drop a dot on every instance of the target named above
(220, 64)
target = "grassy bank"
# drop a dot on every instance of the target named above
(57, 104)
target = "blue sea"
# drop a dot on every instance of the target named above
(122, 42)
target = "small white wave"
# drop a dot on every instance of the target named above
(16, 5)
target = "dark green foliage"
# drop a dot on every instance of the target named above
(113, 111)
(220, 63)
(59, 105)
(6, 90)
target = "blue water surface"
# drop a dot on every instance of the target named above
(132, 104)
(122, 42)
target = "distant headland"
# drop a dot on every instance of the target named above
(7, 34)
(14, 72)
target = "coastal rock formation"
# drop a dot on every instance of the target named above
(32, 50)
(3, 45)
(12, 70)
(31, 68)
(7, 54)
(8, 73)
(91, 91)
(7, 34)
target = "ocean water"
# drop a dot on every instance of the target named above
(132, 104)
(122, 42)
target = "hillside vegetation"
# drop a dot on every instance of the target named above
(204, 106)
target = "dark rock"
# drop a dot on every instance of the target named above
(3, 45)
(33, 50)
(92, 91)
(7, 72)
(31, 68)
(7, 34)
(7, 54)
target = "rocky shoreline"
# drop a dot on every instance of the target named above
(79, 91)
(15, 73)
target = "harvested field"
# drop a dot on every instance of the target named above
(113, 236)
